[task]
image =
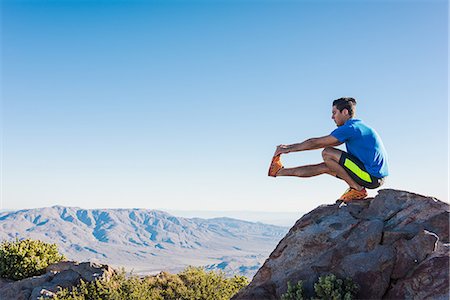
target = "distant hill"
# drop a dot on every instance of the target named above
(285, 219)
(146, 241)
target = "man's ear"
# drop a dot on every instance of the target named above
(345, 112)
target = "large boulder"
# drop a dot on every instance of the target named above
(60, 275)
(394, 246)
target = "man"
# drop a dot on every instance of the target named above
(364, 165)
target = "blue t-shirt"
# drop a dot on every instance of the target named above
(364, 143)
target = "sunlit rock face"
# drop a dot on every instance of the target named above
(395, 246)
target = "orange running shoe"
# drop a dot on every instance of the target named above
(353, 194)
(275, 166)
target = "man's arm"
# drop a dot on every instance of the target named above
(309, 144)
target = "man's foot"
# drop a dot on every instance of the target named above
(353, 194)
(275, 166)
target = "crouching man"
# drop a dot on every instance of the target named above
(364, 165)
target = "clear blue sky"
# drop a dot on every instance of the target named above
(180, 104)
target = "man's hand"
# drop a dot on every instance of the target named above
(281, 149)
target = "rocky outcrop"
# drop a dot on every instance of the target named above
(60, 275)
(395, 246)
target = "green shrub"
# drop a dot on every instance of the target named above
(192, 283)
(328, 287)
(118, 287)
(210, 285)
(294, 292)
(333, 288)
(26, 258)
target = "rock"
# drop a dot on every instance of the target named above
(410, 253)
(393, 246)
(67, 276)
(60, 275)
(429, 280)
(39, 292)
(22, 289)
(4, 281)
(370, 270)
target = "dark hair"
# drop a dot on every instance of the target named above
(346, 103)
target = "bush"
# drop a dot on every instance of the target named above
(210, 285)
(328, 287)
(118, 287)
(333, 288)
(26, 258)
(294, 292)
(192, 283)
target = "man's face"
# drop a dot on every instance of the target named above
(339, 117)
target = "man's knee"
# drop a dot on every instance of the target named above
(327, 153)
(330, 153)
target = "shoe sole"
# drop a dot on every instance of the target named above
(272, 173)
(354, 199)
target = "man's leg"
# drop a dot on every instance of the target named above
(305, 171)
(331, 157)
(330, 166)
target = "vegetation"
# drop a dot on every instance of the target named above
(294, 292)
(333, 288)
(328, 287)
(26, 258)
(192, 283)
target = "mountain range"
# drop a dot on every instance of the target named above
(146, 241)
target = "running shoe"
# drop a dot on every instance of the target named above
(353, 194)
(275, 166)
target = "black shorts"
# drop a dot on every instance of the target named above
(355, 168)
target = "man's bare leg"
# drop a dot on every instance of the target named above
(331, 157)
(305, 171)
(330, 166)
